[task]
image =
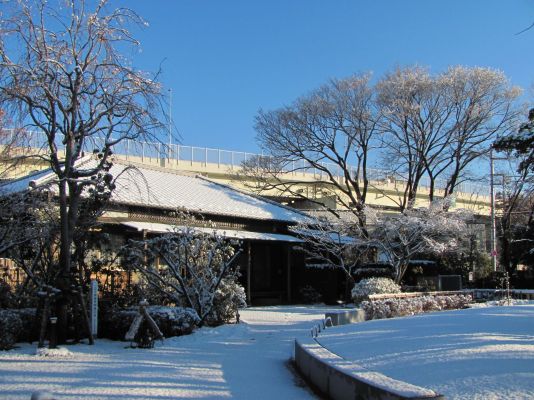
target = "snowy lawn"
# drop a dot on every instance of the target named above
(480, 353)
(246, 361)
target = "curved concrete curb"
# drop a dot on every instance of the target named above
(344, 380)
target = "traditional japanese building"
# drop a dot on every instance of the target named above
(149, 200)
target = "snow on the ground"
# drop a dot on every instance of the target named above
(483, 353)
(480, 353)
(58, 352)
(245, 361)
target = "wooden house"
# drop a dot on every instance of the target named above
(146, 201)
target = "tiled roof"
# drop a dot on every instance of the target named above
(168, 189)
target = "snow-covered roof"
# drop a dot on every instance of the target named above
(169, 189)
(227, 233)
(21, 184)
(322, 235)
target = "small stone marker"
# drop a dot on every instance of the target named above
(94, 307)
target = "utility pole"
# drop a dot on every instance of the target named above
(492, 206)
(494, 262)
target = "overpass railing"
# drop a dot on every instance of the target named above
(157, 152)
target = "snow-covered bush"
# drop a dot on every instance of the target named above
(10, 326)
(172, 321)
(389, 308)
(429, 303)
(229, 297)
(366, 287)
(16, 325)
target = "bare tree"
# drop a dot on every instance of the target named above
(484, 108)
(429, 129)
(391, 241)
(29, 233)
(414, 113)
(62, 75)
(329, 133)
(332, 244)
(436, 126)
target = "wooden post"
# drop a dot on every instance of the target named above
(143, 311)
(44, 322)
(145, 257)
(52, 341)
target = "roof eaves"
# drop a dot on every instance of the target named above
(42, 178)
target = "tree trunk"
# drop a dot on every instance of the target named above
(401, 270)
(63, 282)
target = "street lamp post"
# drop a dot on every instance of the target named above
(170, 118)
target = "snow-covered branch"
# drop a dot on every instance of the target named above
(187, 265)
(402, 236)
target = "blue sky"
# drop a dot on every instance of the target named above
(224, 60)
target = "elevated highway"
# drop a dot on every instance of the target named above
(225, 167)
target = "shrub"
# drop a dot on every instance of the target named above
(10, 327)
(172, 321)
(229, 297)
(366, 287)
(30, 327)
(389, 308)
(17, 325)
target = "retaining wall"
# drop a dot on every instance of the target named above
(340, 379)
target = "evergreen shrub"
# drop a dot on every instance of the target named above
(229, 297)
